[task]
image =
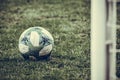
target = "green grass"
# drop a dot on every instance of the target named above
(69, 23)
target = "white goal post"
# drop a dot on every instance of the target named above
(103, 40)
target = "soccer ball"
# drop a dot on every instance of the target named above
(36, 43)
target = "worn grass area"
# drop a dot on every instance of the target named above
(69, 23)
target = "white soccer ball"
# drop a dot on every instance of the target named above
(36, 43)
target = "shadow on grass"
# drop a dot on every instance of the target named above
(11, 60)
(21, 60)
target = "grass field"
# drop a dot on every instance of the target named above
(69, 23)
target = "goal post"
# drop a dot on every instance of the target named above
(103, 40)
(98, 38)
